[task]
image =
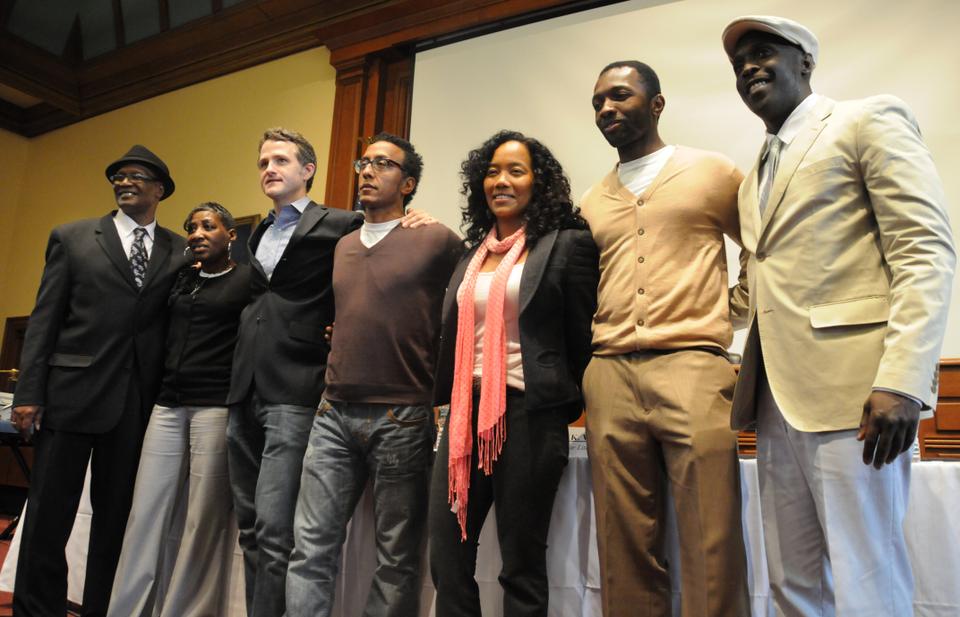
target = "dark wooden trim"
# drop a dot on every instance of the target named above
(373, 95)
(6, 8)
(163, 6)
(37, 72)
(11, 117)
(398, 96)
(414, 21)
(344, 145)
(241, 36)
(940, 435)
(118, 30)
(44, 118)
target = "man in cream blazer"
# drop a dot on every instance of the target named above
(850, 268)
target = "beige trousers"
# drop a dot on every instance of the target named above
(654, 417)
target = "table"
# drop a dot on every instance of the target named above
(932, 524)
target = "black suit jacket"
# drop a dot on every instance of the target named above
(92, 330)
(281, 347)
(558, 296)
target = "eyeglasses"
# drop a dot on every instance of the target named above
(134, 177)
(380, 164)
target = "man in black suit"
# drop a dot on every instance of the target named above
(92, 362)
(279, 361)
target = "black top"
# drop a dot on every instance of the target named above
(204, 318)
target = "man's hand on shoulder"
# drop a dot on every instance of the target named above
(26, 419)
(417, 218)
(888, 426)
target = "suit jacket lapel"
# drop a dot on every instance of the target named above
(312, 215)
(109, 241)
(158, 256)
(793, 156)
(252, 245)
(534, 267)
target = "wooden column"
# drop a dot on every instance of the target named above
(373, 94)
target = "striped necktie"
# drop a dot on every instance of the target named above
(138, 256)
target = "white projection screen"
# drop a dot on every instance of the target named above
(539, 78)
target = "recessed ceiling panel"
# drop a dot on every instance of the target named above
(141, 18)
(45, 23)
(96, 25)
(182, 11)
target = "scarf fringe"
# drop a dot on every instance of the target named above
(490, 443)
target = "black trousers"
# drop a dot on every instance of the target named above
(523, 486)
(60, 464)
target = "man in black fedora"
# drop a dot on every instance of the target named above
(92, 362)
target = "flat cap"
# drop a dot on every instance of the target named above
(786, 29)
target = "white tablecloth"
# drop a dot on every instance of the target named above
(932, 524)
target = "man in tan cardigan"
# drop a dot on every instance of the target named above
(659, 386)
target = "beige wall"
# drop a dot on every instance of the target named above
(207, 134)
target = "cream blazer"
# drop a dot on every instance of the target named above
(849, 269)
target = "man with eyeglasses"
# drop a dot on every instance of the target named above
(376, 418)
(92, 363)
(280, 360)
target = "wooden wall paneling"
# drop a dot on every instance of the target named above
(398, 96)
(940, 435)
(373, 95)
(347, 114)
(372, 102)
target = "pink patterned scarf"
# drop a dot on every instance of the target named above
(491, 422)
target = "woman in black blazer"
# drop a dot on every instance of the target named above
(528, 286)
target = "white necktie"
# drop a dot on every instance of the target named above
(769, 171)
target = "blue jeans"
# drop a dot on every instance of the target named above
(349, 443)
(265, 445)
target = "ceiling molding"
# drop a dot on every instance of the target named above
(414, 21)
(228, 40)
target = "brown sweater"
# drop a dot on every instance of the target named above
(388, 301)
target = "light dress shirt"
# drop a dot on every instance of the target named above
(277, 235)
(125, 226)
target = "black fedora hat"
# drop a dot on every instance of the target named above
(139, 155)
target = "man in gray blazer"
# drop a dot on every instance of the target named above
(850, 267)
(92, 363)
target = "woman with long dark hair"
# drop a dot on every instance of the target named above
(183, 463)
(515, 343)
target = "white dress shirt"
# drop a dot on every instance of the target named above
(125, 226)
